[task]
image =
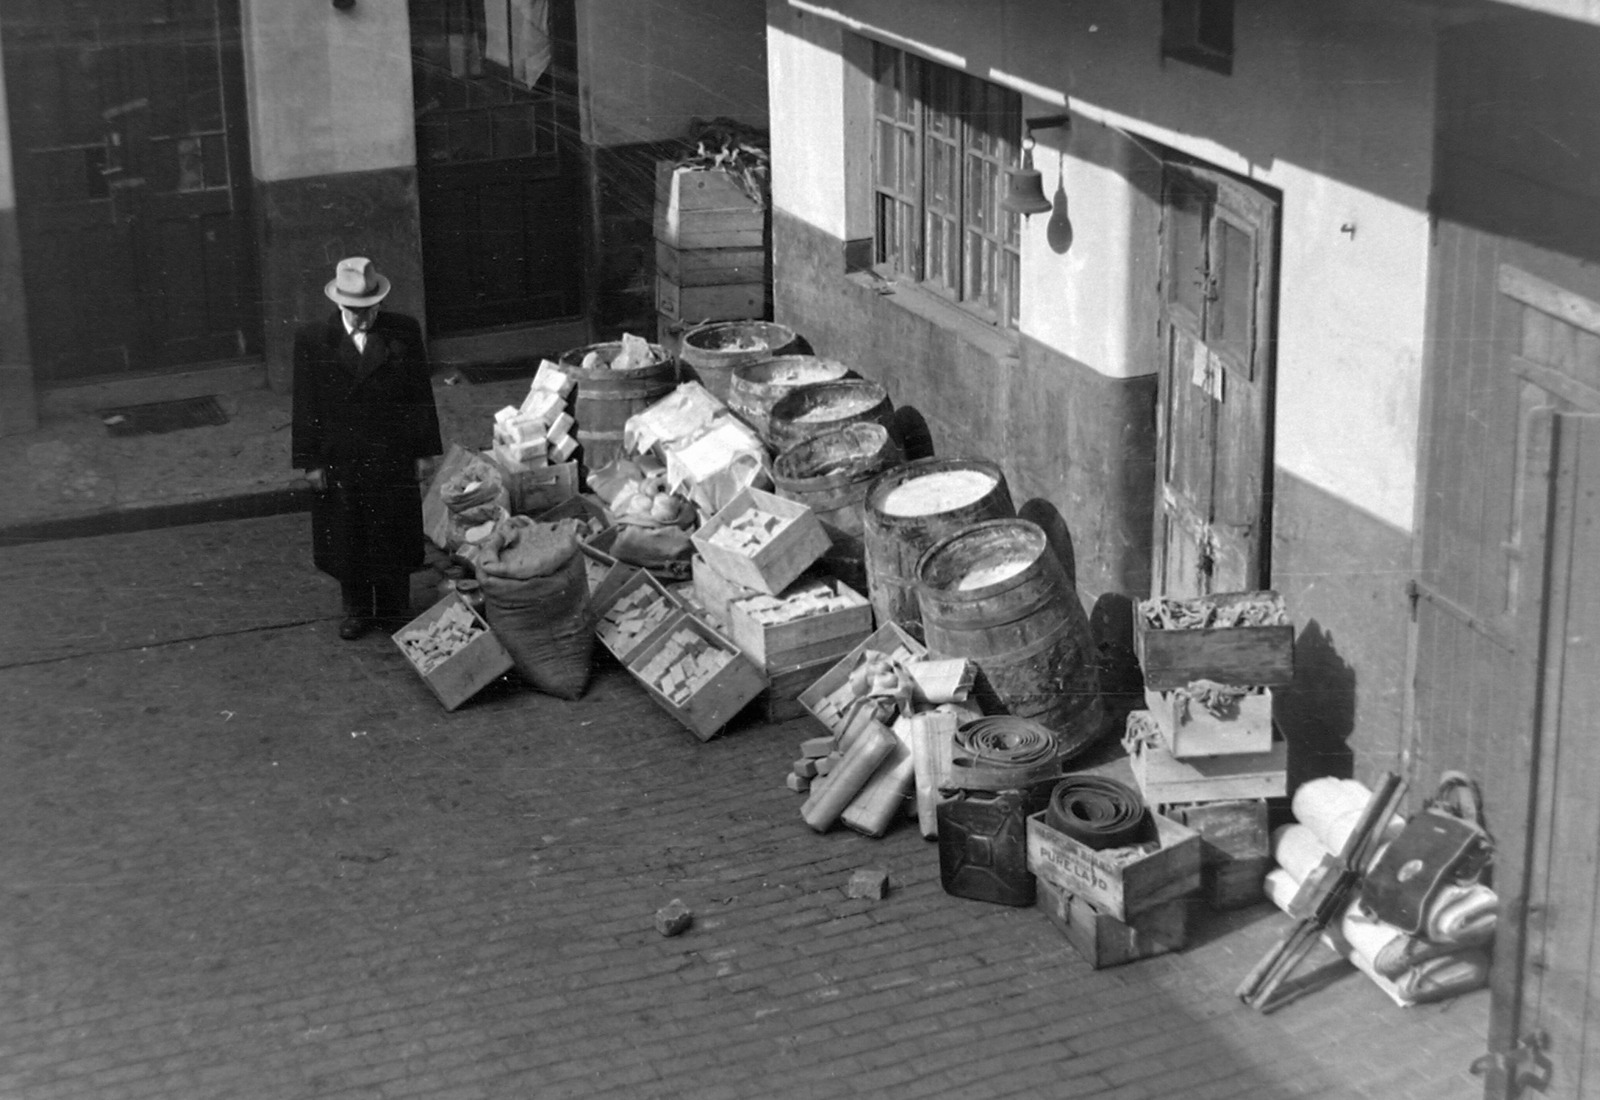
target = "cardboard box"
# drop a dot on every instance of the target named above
(1164, 779)
(804, 640)
(652, 607)
(712, 704)
(1123, 889)
(1105, 941)
(888, 639)
(776, 562)
(1190, 730)
(1252, 655)
(470, 669)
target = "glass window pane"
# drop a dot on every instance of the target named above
(1235, 292)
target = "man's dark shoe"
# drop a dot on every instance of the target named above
(353, 627)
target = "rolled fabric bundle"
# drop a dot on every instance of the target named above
(1297, 850)
(928, 733)
(1391, 950)
(883, 795)
(1281, 887)
(1003, 753)
(1446, 976)
(1098, 812)
(1463, 915)
(1331, 807)
(827, 801)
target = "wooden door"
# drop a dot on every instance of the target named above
(1213, 491)
(1545, 1020)
(499, 167)
(131, 164)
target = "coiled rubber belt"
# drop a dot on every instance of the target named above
(1003, 753)
(1097, 812)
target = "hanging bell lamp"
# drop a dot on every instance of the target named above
(1025, 185)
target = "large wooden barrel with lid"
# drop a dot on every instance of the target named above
(756, 387)
(911, 507)
(806, 411)
(604, 399)
(711, 352)
(996, 594)
(830, 474)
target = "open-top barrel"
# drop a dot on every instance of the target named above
(710, 352)
(604, 398)
(830, 474)
(756, 387)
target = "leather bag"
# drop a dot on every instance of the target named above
(1442, 844)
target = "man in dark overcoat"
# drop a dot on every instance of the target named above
(364, 429)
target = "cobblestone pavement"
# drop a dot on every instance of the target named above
(245, 859)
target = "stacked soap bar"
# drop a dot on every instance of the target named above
(539, 431)
(631, 618)
(749, 531)
(683, 665)
(444, 637)
(797, 603)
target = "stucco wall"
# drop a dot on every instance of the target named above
(1329, 103)
(649, 66)
(18, 409)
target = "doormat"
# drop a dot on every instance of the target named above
(163, 416)
(480, 374)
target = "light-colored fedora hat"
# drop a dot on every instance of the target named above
(356, 283)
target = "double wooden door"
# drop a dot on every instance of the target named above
(132, 173)
(1214, 445)
(499, 165)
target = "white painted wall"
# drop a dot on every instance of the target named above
(328, 91)
(1331, 103)
(650, 66)
(8, 182)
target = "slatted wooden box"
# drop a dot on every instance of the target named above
(1121, 889)
(467, 671)
(1190, 730)
(658, 604)
(1250, 655)
(1235, 849)
(774, 565)
(1164, 779)
(730, 302)
(1105, 941)
(691, 267)
(714, 704)
(781, 701)
(889, 639)
(537, 490)
(829, 634)
(705, 208)
(714, 592)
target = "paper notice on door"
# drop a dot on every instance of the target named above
(1206, 371)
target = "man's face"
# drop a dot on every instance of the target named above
(360, 318)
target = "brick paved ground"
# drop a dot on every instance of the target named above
(244, 859)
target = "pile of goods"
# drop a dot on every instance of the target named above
(431, 645)
(800, 602)
(629, 620)
(1211, 613)
(684, 665)
(749, 531)
(539, 431)
(635, 352)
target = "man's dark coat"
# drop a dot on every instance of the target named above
(364, 418)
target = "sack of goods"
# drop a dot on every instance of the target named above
(475, 498)
(536, 598)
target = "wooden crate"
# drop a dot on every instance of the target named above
(714, 592)
(775, 565)
(705, 208)
(1191, 730)
(1235, 848)
(781, 701)
(1105, 941)
(887, 639)
(1254, 655)
(467, 671)
(607, 597)
(712, 266)
(828, 635)
(1164, 779)
(730, 302)
(728, 692)
(541, 488)
(1124, 889)
(581, 508)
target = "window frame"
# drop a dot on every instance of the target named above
(941, 142)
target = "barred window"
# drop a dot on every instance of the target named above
(942, 141)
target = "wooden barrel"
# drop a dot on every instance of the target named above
(806, 411)
(710, 352)
(757, 386)
(830, 474)
(996, 594)
(605, 398)
(911, 507)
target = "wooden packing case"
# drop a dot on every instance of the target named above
(803, 640)
(888, 639)
(467, 671)
(1122, 889)
(715, 702)
(1103, 940)
(1247, 655)
(1191, 730)
(773, 566)
(1164, 779)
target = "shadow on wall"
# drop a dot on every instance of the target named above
(910, 429)
(1121, 680)
(1318, 710)
(1042, 512)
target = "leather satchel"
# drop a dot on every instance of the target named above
(1442, 844)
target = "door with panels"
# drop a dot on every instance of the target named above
(1214, 426)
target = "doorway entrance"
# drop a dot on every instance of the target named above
(131, 162)
(1214, 413)
(499, 164)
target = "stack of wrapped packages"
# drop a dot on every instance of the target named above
(539, 431)
(1446, 956)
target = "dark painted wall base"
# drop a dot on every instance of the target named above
(307, 225)
(623, 263)
(18, 404)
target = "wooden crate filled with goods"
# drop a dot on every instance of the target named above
(453, 650)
